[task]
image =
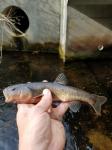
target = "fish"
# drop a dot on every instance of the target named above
(61, 92)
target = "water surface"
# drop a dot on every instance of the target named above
(85, 131)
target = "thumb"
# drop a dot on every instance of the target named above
(45, 102)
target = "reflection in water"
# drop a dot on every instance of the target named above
(82, 127)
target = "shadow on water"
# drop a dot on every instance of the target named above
(85, 131)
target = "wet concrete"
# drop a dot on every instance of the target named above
(84, 128)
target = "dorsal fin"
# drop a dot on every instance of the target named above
(61, 79)
(45, 81)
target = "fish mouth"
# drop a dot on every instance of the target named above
(7, 99)
(6, 96)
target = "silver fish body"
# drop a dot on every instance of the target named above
(25, 92)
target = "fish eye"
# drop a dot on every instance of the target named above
(13, 89)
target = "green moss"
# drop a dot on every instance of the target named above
(61, 53)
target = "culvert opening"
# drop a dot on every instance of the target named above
(16, 20)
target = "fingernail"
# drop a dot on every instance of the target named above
(45, 91)
(49, 110)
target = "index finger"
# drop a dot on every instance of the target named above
(58, 112)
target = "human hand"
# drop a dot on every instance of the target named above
(39, 125)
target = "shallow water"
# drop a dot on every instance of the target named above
(85, 131)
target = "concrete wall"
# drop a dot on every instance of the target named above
(98, 10)
(44, 18)
(85, 33)
(81, 2)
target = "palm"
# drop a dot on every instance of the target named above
(58, 135)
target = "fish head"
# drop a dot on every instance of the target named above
(17, 93)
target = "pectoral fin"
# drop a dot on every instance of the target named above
(61, 79)
(36, 99)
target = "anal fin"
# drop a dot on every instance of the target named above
(75, 107)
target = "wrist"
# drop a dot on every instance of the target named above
(28, 144)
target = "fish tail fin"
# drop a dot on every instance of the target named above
(100, 100)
